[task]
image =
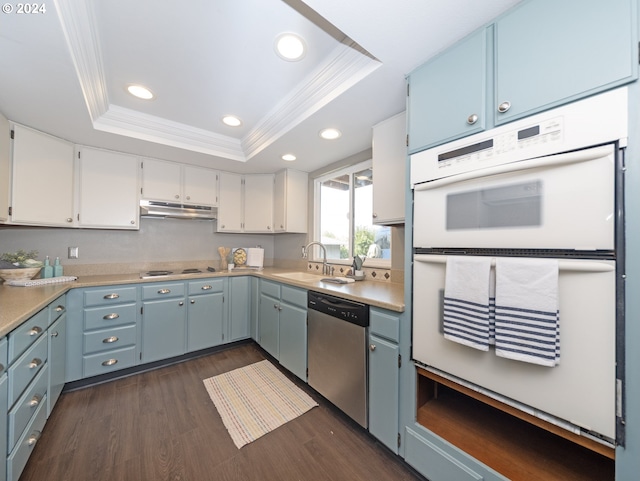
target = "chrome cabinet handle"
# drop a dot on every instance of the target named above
(34, 401)
(188, 197)
(193, 301)
(54, 334)
(181, 303)
(504, 106)
(374, 215)
(69, 219)
(34, 331)
(281, 226)
(59, 308)
(109, 362)
(111, 296)
(207, 287)
(275, 306)
(164, 291)
(111, 317)
(110, 339)
(177, 196)
(372, 347)
(472, 119)
(33, 439)
(133, 222)
(35, 362)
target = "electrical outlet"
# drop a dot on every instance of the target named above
(73, 252)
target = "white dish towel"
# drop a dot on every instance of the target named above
(466, 301)
(527, 326)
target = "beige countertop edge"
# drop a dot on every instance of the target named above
(17, 304)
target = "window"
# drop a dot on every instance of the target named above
(344, 213)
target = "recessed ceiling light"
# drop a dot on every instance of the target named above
(231, 121)
(140, 92)
(290, 46)
(289, 157)
(330, 134)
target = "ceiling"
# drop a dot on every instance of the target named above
(65, 72)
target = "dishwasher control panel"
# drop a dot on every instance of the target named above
(354, 312)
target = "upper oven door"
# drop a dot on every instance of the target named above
(564, 201)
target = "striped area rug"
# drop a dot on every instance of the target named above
(256, 399)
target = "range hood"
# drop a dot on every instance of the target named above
(168, 210)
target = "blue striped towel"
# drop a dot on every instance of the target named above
(527, 318)
(466, 301)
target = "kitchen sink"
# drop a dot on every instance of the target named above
(298, 276)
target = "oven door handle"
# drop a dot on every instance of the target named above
(547, 161)
(574, 265)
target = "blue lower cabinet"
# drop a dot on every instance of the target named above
(3, 426)
(384, 378)
(205, 325)
(163, 329)
(293, 339)
(108, 361)
(57, 338)
(17, 459)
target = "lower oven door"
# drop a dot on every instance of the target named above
(581, 389)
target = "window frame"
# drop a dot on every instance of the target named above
(351, 170)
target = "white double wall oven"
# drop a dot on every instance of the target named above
(546, 187)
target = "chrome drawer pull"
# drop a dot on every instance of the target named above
(35, 330)
(164, 291)
(504, 106)
(207, 287)
(372, 347)
(33, 439)
(35, 400)
(59, 308)
(111, 317)
(109, 340)
(109, 362)
(35, 363)
(112, 296)
(54, 334)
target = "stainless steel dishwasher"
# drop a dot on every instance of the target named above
(337, 352)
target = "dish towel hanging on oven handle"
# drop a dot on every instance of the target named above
(527, 317)
(466, 318)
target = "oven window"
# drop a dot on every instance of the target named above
(513, 205)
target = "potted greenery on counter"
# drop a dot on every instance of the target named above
(19, 266)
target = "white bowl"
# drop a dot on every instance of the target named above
(19, 274)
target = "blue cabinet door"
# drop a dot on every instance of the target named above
(163, 329)
(57, 361)
(205, 325)
(3, 426)
(293, 339)
(447, 92)
(384, 376)
(239, 307)
(268, 320)
(549, 52)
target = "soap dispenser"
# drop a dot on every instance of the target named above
(57, 268)
(47, 270)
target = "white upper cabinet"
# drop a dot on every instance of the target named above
(42, 179)
(246, 203)
(108, 189)
(290, 199)
(5, 167)
(178, 183)
(389, 160)
(230, 203)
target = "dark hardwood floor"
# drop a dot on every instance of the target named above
(161, 425)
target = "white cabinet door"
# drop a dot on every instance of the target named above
(200, 185)
(161, 180)
(389, 160)
(5, 168)
(230, 203)
(108, 189)
(290, 201)
(258, 203)
(42, 183)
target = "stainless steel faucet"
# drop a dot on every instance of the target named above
(326, 270)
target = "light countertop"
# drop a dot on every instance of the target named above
(17, 304)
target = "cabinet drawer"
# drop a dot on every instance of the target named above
(104, 317)
(57, 308)
(26, 367)
(297, 297)
(160, 291)
(271, 289)
(206, 286)
(17, 460)
(109, 361)
(27, 405)
(110, 295)
(25, 335)
(4, 353)
(384, 325)
(106, 339)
